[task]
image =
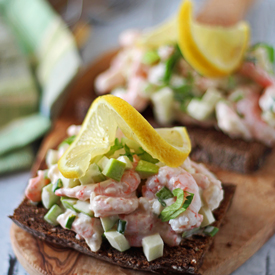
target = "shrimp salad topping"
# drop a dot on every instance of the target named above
(128, 197)
(241, 105)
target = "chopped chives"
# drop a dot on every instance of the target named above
(121, 226)
(57, 185)
(211, 231)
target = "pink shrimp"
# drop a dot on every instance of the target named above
(86, 227)
(129, 37)
(267, 100)
(133, 95)
(257, 74)
(249, 108)
(211, 186)
(230, 122)
(34, 188)
(174, 178)
(104, 206)
(109, 80)
(128, 184)
(73, 130)
(144, 222)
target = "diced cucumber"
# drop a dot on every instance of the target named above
(199, 109)
(146, 169)
(70, 221)
(68, 202)
(102, 162)
(69, 183)
(114, 169)
(109, 222)
(52, 214)
(48, 196)
(152, 247)
(46, 174)
(83, 206)
(150, 57)
(130, 143)
(126, 160)
(57, 185)
(93, 175)
(204, 108)
(208, 217)
(163, 105)
(148, 90)
(202, 200)
(51, 157)
(117, 240)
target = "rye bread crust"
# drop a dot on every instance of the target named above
(184, 259)
(215, 148)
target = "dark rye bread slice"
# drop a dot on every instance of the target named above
(184, 259)
(216, 148)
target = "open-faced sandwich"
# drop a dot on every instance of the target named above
(232, 114)
(121, 191)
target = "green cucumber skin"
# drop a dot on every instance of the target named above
(68, 203)
(146, 169)
(48, 196)
(70, 221)
(52, 215)
(114, 169)
(83, 207)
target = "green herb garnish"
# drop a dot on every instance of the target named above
(163, 194)
(183, 95)
(231, 84)
(170, 64)
(146, 156)
(269, 49)
(128, 153)
(178, 207)
(238, 98)
(68, 140)
(117, 146)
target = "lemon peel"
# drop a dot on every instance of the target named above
(170, 146)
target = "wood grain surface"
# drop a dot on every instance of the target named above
(249, 223)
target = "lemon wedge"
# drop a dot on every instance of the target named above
(163, 34)
(213, 51)
(169, 145)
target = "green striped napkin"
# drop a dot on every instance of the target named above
(50, 49)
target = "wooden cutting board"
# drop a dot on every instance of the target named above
(249, 223)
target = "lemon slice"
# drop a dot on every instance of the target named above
(213, 51)
(98, 131)
(163, 34)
